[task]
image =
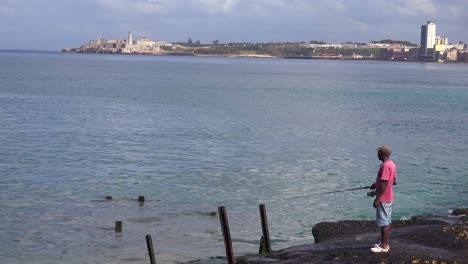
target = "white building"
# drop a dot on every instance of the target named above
(441, 41)
(143, 45)
(130, 38)
(314, 46)
(428, 39)
(459, 45)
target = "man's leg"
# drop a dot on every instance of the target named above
(385, 235)
(384, 214)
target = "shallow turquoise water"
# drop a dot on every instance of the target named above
(192, 134)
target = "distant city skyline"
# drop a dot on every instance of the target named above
(57, 24)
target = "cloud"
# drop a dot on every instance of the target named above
(135, 6)
(417, 7)
(9, 7)
(169, 7)
(64, 23)
(361, 26)
(264, 20)
(203, 7)
(217, 6)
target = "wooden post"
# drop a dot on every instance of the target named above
(265, 232)
(226, 234)
(118, 227)
(149, 243)
(262, 245)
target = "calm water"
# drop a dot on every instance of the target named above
(192, 134)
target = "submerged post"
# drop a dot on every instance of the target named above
(118, 226)
(149, 243)
(141, 200)
(226, 234)
(265, 232)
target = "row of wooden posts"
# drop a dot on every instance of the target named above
(265, 244)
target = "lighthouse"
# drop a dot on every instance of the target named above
(130, 38)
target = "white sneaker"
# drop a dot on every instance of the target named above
(380, 245)
(379, 249)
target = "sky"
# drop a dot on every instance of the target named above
(57, 24)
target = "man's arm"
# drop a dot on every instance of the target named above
(379, 194)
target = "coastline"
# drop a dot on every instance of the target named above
(267, 56)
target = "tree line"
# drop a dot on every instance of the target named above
(276, 49)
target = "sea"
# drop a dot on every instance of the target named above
(192, 134)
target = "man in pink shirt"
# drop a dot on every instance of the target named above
(386, 178)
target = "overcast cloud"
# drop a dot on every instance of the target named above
(57, 24)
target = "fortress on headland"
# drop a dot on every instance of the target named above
(143, 45)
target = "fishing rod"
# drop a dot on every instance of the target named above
(315, 194)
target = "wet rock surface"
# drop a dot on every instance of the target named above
(329, 230)
(462, 211)
(421, 239)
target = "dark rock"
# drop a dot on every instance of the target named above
(213, 213)
(462, 211)
(329, 230)
(421, 239)
(108, 197)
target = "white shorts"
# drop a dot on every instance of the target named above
(384, 214)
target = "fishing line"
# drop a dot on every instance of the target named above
(315, 194)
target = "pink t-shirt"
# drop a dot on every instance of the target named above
(387, 172)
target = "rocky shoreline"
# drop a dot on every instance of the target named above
(421, 239)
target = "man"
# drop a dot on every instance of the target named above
(386, 178)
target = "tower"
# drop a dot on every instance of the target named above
(428, 38)
(130, 38)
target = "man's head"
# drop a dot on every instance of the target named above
(384, 152)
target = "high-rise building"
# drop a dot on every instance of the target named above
(428, 39)
(130, 38)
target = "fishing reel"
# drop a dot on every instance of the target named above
(371, 193)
